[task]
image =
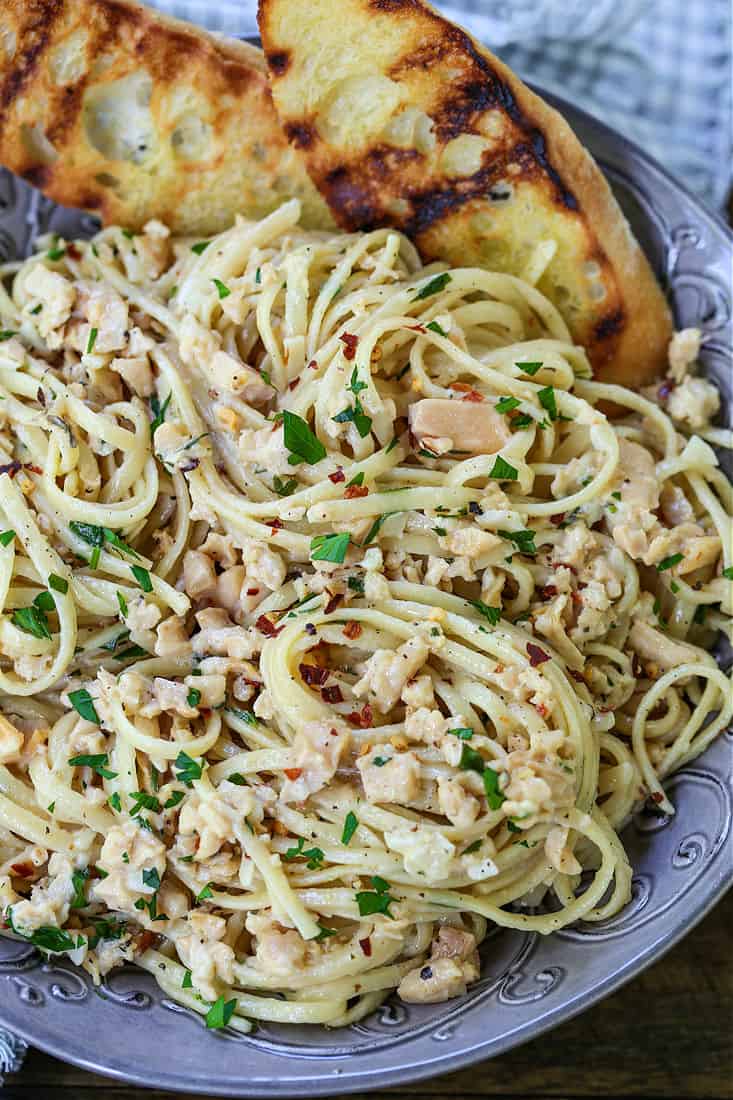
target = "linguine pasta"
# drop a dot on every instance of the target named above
(343, 613)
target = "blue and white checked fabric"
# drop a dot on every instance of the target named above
(659, 71)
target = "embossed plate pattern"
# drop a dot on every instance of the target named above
(128, 1029)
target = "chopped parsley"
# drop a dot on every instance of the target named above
(377, 526)
(358, 479)
(523, 421)
(200, 247)
(194, 697)
(669, 563)
(115, 801)
(188, 769)
(187, 983)
(159, 412)
(503, 470)
(284, 488)
(728, 573)
(207, 892)
(433, 286)
(462, 732)
(314, 856)
(529, 368)
(523, 540)
(6, 537)
(493, 614)
(494, 796)
(97, 762)
(222, 290)
(330, 547)
(433, 326)
(78, 881)
(32, 620)
(93, 333)
(506, 404)
(151, 878)
(142, 577)
(220, 1012)
(83, 704)
(56, 253)
(58, 584)
(548, 402)
(377, 900)
(303, 445)
(175, 798)
(351, 824)
(122, 604)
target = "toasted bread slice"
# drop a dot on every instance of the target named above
(113, 108)
(404, 119)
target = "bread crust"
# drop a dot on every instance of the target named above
(113, 108)
(349, 79)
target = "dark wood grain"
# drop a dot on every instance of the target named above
(666, 1034)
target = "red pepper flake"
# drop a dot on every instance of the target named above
(293, 773)
(352, 630)
(33, 469)
(275, 524)
(312, 675)
(558, 518)
(11, 468)
(366, 946)
(337, 477)
(252, 591)
(417, 328)
(542, 709)
(333, 602)
(313, 365)
(350, 341)
(537, 656)
(363, 718)
(294, 383)
(575, 675)
(73, 251)
(657, 797)
(144, 941)
(470, 394)
(548, 592)
(353, 491)
(267, 627)
(332, 694)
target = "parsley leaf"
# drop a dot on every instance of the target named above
(78, 881)
(547, 400)
(494, 796)
(222, 290)
(83, 704)
(200, 246)
(194, 697)
(188, 769)
(462, 732)
(220, 1013)
(529, 368)
(506, 404)
(6, 537)
(159, 412)
(93, 333)
(351, 824)
(32, 620)
(142, 577)
(58, 584)
(377, 526)
(493, 614)
(376, 901)
(97, 762)
(300, 440)
(314, 856)
(503, 470)
(523, 540)
(284, 488)
(330, 547)
(433, 286)
(669, 563)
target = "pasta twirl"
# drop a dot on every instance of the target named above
(340, 617)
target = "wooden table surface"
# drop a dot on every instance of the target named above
(667, 1034)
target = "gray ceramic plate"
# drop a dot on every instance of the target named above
(130, 1030)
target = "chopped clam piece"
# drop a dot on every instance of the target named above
(472, 426)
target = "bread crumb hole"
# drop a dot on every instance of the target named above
(191, 139)
(357, 108)
(411, 129)
(464, 155)
(8, 42)
(117, 118)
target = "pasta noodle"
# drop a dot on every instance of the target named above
(344, 614)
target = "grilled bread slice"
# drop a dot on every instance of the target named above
(404, 119)
(108, 106)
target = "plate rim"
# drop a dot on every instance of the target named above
(531, 1028)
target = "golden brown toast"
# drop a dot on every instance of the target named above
(404, 119)
(108, 106)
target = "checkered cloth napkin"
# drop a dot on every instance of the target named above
(657, 70)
